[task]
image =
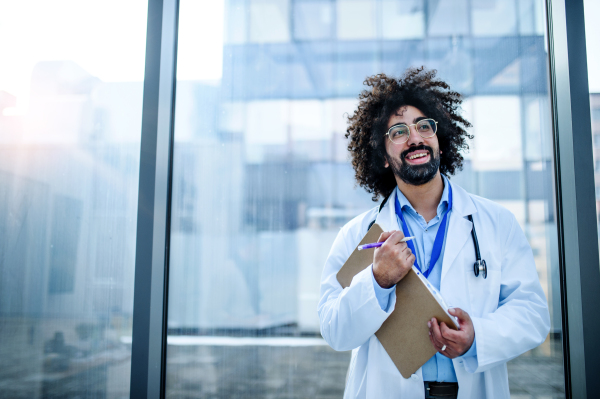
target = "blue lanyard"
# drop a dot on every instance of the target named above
(439, 237)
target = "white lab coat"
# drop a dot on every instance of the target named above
(508, 309)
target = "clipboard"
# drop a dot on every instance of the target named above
(404, 335)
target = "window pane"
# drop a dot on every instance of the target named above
(448, 18)
(70, 125)
(313, 20)
(269, 21)
(262, 182)
(402, 19)
(494, 17)
(356, 19)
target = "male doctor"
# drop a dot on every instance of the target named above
(405, 138)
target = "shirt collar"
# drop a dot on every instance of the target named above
(443, 205)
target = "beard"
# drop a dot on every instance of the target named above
(416, 175)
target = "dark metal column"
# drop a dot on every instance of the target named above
(578, 235)
(152, 246)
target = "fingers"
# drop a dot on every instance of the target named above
(385, 235)
(435, 344)
(434, 330)
(393, 259)
(448, 334)
(396, 237)
(460, 314)
(393, 237)
(463, 317)
(438, 341)
(456, 342)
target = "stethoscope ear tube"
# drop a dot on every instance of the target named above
(479, 266)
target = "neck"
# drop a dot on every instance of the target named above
(424, 198)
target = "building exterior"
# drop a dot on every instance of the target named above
(254, 184)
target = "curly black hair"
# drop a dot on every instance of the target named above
(368, 125)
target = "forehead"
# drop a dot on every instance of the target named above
(405, 114)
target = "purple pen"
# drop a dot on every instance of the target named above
(378, 244)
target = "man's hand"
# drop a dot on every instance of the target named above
(457, 342)
(392, 260)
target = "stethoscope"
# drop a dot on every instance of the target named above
(479, 267)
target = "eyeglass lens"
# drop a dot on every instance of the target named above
(425, 127)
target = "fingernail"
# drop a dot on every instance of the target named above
(429, 325)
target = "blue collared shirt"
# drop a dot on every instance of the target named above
(439, 367)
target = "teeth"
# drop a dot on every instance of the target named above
(421, 155)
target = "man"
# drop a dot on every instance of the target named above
(405, 138)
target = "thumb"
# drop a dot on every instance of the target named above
(460, 314)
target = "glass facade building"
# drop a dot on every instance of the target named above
(263, 148)
(164, 235)
(70, 130)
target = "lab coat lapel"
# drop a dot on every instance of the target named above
(459, 228)
(386, 219)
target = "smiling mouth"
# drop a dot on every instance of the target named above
(418, 155)
(415, 156)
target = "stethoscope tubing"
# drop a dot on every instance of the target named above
(479, 266)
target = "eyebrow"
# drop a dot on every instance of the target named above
(417, 119)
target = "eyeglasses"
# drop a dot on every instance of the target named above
(400, 133)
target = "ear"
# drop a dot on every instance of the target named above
(386, 164)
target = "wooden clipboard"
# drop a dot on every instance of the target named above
(404, 335)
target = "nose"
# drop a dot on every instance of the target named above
(414, 137)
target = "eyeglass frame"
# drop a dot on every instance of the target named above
(416, 130)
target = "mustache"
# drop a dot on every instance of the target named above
(416, 148)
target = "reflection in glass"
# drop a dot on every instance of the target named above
(262, 181)
(592, 35)
(70, 125)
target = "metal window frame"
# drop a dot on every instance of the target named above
(149, 335)
(575, 195)
(575, 198)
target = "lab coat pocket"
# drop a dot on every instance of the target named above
(484, 294)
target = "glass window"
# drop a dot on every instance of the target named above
(262, 181)
(236, 28)
(495, 17)
(356, 19)
(269, 21)
(531, 17)
(70, 128)
(592, 35)
(313, 20)
(402, 19)
(447, 18)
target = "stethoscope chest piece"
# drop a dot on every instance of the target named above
(480, 267)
